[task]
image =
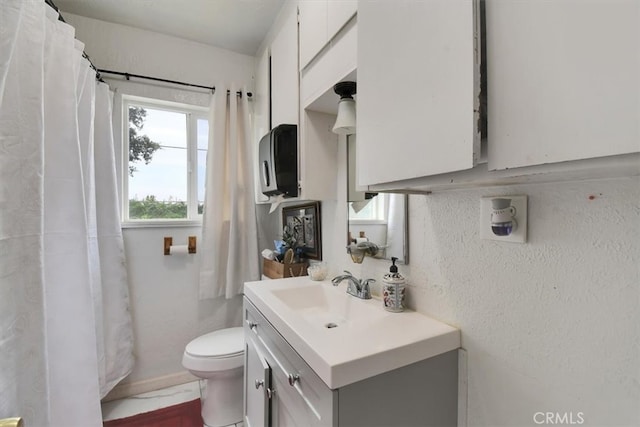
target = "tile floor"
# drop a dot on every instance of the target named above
(153, 400)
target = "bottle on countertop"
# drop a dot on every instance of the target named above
(393, 289)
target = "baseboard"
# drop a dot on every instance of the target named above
(123, 390)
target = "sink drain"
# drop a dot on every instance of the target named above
(331, 325)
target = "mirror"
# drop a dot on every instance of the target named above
(378, 218)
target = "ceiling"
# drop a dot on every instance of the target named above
(236, 25)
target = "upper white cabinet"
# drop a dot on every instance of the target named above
(284, 72)
(276, 92)
(320, 21)
(563, 80)
(261, 114)
(277, 101)
(318, 106)
(418, 87)
(563, 91)
(318, 154)
(339, 12)
(313, 29)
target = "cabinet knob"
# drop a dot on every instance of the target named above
(270, 392)
(259, 383)
(252, 325)
(293, 379)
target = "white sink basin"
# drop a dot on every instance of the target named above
(325, 307)
(345, 339)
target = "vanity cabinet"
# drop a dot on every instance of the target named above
(282, 390)
(256, 407)
(295, 395)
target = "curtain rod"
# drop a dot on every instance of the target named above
(175, 82)
(84, 54)
(129, 75)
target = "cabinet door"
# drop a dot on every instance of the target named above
(302, 404)
(261, 113)
(313, 29)
(338, 13)
(284, 73)
(257, 386)
(418, 86)
(563, 80)
(299, 397)
(287, 408)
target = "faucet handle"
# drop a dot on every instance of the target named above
(365, 283)
(364, 290)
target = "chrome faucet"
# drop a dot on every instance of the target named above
(356, 287)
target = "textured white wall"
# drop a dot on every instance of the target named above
(164, 302)
(121, 48)
(164, 289)
(552, 325)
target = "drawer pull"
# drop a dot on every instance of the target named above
(252, 325)
(293, 379)
(259, 383)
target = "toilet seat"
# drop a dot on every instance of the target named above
(220, 343)
(216, 351)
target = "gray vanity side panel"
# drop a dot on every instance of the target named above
(422, 394)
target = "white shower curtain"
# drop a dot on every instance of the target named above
(229, 254)
(61, 253)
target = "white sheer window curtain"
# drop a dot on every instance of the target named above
(229, 254)
(64, 322)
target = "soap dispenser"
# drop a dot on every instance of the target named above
(393, 289)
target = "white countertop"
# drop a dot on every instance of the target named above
(368, 339)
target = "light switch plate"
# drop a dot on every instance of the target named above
(520, 233)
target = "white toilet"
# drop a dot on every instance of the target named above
(218, 357)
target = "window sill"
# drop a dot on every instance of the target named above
(367, 222)
(162, 223)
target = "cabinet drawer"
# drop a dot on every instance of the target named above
(300, 394)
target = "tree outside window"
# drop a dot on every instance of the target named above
(167, 152)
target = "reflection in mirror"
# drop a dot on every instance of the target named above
(377, 221)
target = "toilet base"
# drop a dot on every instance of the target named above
(222, 403)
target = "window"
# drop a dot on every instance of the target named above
(165, 146)
(375, 211)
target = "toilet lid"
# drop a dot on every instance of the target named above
(221, 343)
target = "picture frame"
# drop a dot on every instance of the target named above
(304, 221)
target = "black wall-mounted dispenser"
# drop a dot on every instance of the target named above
(278, 156)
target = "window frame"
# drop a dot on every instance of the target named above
(384, 207)
(193, 114)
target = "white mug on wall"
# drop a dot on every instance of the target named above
(503, 221)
